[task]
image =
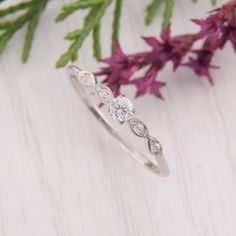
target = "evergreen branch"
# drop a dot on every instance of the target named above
(151, 10)
(73, 7)
(34, 9)
(31, 30)
(213, 2)
(72, 35)
(153, 7)
(14, 8)
(116, 23)
(96, 42)
(168, 13)
(90, 23)
(10, 29)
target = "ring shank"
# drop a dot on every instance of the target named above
(161, 169)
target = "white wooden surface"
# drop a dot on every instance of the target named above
(62, 175)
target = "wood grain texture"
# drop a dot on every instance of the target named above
(62, 175)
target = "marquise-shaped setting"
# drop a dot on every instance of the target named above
(154, 146)
(86, 78)
(103, 92)
(138, 127)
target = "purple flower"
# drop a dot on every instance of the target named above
(212, 25)
(215, 31)
(201, 64)
(229, 28)
(228, 34)
(169, 48)
(120, 69)
(148, 84)
(221, 25)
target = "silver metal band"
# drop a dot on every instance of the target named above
(120, 109)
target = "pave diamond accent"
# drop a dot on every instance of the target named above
(86, 78)
(103, 92)
(154, 146)
(121, 109)
(138, 128)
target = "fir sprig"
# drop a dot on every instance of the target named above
(92, 22)
(154, 6)
(30, 17)
(116, 23)
(32, 9)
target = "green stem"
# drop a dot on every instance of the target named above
(168, 13)
(15, 8)
(213, 2)
(152, 9)
(116, 23)
(96, 42)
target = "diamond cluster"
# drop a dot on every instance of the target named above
(121, 109)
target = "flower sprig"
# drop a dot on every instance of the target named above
(215, 31)
(30, 17)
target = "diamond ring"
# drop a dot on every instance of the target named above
(122, 110)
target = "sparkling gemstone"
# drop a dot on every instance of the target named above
(103, 92)
(121, 109)
(154, 146)
(86, 78)
(138, 127)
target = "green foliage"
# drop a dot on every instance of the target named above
(213, 2)
(154, 6)
(116, 23)
(168, 13)
(29, 12)
(92, 24)
(151, 10)
(30, 17)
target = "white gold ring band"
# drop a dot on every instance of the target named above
(122, 110)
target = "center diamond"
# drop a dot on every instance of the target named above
(121, 109)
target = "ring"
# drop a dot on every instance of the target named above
(122, 110)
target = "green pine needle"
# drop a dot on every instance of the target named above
(73, 35)
(151, 10)
(168, 13)
(73, 7)
(213, 2)
(32, 11)
(154, 6)
(91, 24)
(116, 23)
(14, 8)
(96, 42)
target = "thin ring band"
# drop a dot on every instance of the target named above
(82, 80)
